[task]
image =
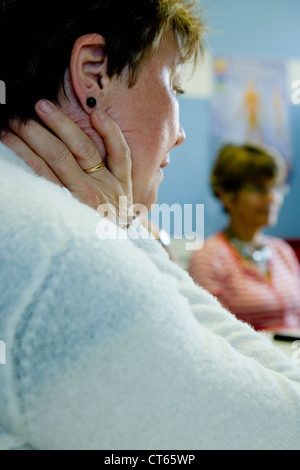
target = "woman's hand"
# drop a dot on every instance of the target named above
(63, 157)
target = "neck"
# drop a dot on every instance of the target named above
(245, 234)
(71, 106)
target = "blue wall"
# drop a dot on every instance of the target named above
(267, 29)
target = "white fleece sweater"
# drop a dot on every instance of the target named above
(109, 345)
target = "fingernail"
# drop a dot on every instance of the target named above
(101, 114)
(2, 133)
(46, 106)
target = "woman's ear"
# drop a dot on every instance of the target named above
(227, 198)
(88, 69)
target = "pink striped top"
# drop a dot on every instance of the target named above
(264, 303)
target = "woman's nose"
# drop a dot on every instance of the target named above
(181, 137)
(271, 195)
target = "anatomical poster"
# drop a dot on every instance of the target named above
(251, 104)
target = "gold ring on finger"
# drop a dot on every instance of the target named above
(95, 168)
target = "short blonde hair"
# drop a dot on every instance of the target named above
(132, 30)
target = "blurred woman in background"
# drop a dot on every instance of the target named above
(257, 277)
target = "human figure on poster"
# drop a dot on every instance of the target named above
(252, 107)
(278, 113)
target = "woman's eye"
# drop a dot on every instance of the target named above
(178, 90)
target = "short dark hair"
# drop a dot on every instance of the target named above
(37, 37)
(238, 165)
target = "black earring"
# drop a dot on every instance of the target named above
(91, 102)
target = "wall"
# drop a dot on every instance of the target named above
(267, 29)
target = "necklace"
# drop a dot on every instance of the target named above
(260, 255)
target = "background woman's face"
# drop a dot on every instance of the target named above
(257, 205)
(148, 116)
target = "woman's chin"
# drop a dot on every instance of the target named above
(148, 196)
(150, 201)
(269, 222)
(272, 222)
